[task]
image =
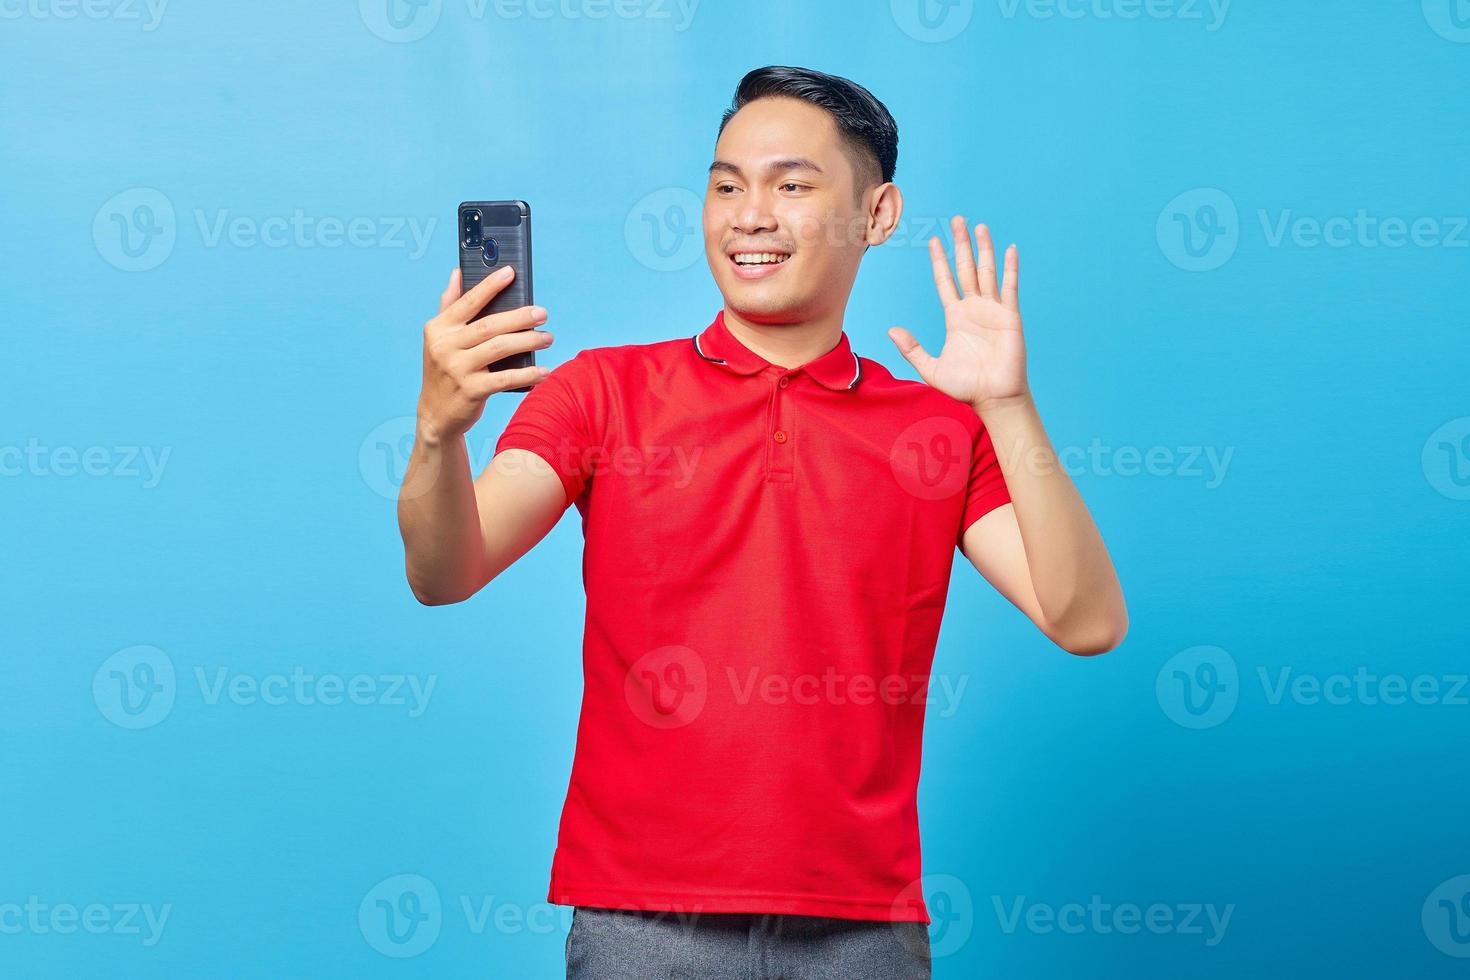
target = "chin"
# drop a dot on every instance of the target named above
(759, 307)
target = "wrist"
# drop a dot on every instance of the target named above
(1006, 405)
(431, 436)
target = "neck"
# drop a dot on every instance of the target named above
(790, 344)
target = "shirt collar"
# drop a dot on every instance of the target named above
(838, 369)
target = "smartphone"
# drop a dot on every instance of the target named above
(493, 234)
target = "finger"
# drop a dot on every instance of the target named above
(503, 346)
(509, 321)
(471, 303)
(964, 259)
(985, 262)
(1010, 294)
(452, 291)
(943, 281)
(912, 351)
(486, 383)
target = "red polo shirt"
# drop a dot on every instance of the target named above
(768, 552)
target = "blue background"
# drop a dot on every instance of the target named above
(279, 377)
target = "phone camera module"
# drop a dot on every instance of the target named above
(472, 230)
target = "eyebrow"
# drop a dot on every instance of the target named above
(772, 168)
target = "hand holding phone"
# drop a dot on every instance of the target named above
(460, 344)
(494, 235)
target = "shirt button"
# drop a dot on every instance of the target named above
(780, 435)
(784, 382)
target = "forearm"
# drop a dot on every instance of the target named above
(439, 519)
(1076, 586)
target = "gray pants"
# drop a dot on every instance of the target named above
(607, 944)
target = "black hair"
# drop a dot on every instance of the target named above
(865, 123)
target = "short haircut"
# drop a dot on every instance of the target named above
(866, 127)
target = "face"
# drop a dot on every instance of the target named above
(784, 224)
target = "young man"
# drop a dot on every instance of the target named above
(770, 524)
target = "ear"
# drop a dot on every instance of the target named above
(885, 208)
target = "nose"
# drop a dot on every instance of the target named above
(754, 214)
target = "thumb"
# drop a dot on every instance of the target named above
(912, 351)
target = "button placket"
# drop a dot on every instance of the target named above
(781, 432)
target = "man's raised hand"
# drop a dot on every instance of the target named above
(983, 361)
(459, 348)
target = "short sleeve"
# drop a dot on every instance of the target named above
(987, 487)
(553, 421)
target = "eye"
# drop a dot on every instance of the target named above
(722, 188)
(793, 186)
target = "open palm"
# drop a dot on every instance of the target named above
(983, 360)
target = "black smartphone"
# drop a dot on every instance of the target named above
(493, 234)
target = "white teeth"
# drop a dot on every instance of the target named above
(759, 258)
